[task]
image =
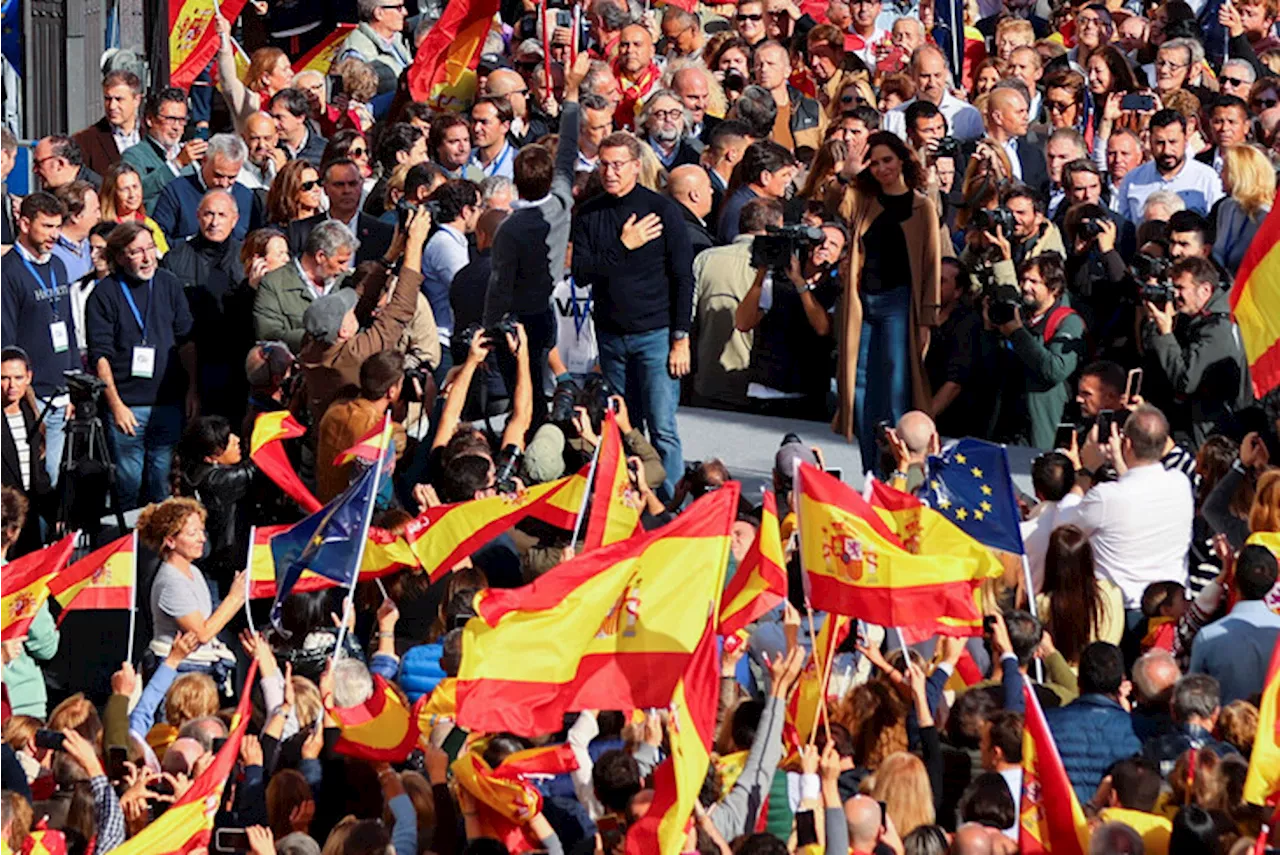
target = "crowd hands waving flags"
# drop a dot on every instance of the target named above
(345, 507)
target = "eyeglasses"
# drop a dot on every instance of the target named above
(358, 152)
(1265, 103)
(1165, 63)
(848, 99)
(614, 165)
(1088, 22)
(667, 115)
(308, 186)
(1233, 81)
(36, 161)
(1059, 106)
(143, 252)
(399, 6)
(757, 17)
(173, 120)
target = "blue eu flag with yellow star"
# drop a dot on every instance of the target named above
(328, 542)
(971, 485)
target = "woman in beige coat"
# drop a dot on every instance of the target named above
(892, 289)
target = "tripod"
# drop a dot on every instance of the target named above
(88, 476)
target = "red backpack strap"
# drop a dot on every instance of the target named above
(1056, 317)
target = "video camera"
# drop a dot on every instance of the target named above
(774, 251)
(85, 391)
(1152, 275)
(991, 219)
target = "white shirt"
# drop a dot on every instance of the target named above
(1013, 778)
(1011, 149)
(964, 122)
(1197, 184)
(18, 430)
(255, 177)
(318, 290)
(504, 164)
(125, 141)
(1139, 527)
(867, 53)
(1036, 531)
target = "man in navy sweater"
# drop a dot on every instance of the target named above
(178, 203)
(139, 327)
(37, 314)
(631, 246)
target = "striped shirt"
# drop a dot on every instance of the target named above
(18, 429)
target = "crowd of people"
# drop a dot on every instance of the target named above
(823, 213)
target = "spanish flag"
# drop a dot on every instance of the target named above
(321, 57)
(858, 566)
(24, 585)
(384, 554)
(1262, 784)
(382, 729)
(761, 581)
(506, 801)
(44, 840)
(560, 508)
(440, 537)
(677, 781)
(369, 448)
(443, 73)
(1255, 304)
(193, 41)
(810, 691)
(440, 705)
(1049, 816)
(266, 449)
(612, 629)
(924, 531)
(103, 579)
(612, 518)
(187, 825)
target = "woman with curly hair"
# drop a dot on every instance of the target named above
(181, 596)
(294, 194)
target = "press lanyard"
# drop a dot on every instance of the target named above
(493, 168)
(140, 317)
(51, 289)
(581, 310)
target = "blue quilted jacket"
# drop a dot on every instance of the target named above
(420, 670)
(1092, 732)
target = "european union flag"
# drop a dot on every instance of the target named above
(328, 543)
(970, 484)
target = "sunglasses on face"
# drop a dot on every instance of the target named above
(1233, 81)
(1265, 103)
(1059, 106)
(757, 17)
(357, 152)
(308, 186)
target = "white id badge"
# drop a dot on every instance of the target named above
(144, 362)
(58, 332)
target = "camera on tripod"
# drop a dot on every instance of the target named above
(85, 392)
(774, 251)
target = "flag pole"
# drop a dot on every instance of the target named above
(248, 579)
(349, 604)
(1031, 608)
(133, 599)
(586, 494)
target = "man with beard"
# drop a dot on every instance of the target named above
(1197, 184)
(663, 119)
(285, 293)
(207, 265)
(1040, 347)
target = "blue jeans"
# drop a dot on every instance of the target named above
(637, 363)
(883, 391)
(145, 457)
(55, 437)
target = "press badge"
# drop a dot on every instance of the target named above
(144, 362)
(58, 332)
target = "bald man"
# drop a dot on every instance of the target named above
(858, 826)
(912, 441)
(973, 839)
(527, 123)
(1154, 675)
(691, 84)
(637, 73)
(690, 187)
(1006, 121)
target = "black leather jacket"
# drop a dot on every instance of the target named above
(222, 490)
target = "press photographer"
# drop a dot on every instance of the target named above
(1021, 214)
(1097, 279)
(1035, 359)
(788, 308)
(1194, 342)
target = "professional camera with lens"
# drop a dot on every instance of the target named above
(947, 147)
(404, 208)
(507, 465)
(991, 219)
(1089, 229)
(593, 396)
(1152, 275)
(774, 251)
(86, 393)
(1002, 301)
(415, 379)
(496, 334)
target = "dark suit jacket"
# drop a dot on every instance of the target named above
(374, 236)
(98, 146)
(41, 494)
(699, 236)
(1035, 170)
(1206, 156)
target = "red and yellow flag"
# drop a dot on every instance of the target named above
(858, 566)
(1255, 304)
(382, 729)
(193, 40)
(677, 781)
(321, 57)
(613, 517)
(266, 449)
(24, 585)
(560, 508)
(187, 825)
(443, 73)
(369, 448)
(384, 554)
(43, 840)
(1262, 784)
(505, 800)
(924, 531)
(612, 629)
(810, 691)
(761, 581)
(103, 579)
(1049, 815)
(440, 705)
(440, 537)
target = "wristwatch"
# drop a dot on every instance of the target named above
(679, 335)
